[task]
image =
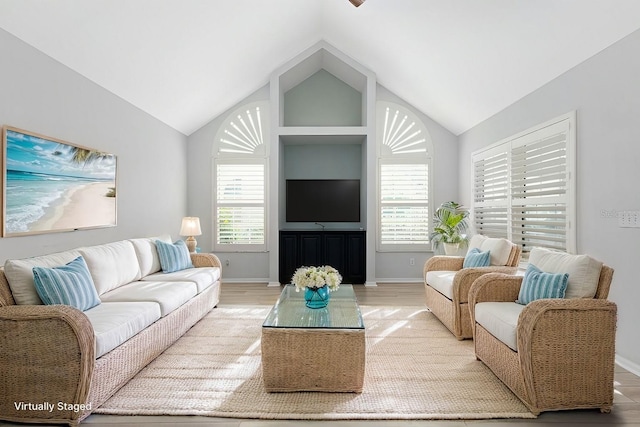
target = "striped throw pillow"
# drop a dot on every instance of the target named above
(538, 285)
(70, 284)
(475, 258)
(173, 257)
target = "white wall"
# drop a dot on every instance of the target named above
(40, 95)
(605, 92)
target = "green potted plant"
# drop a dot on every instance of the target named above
(449, 227)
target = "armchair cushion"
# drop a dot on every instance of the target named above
(441, 281)
(537, 285)
(476, 258)
(500, 319)
(584, 271)
(500, 249)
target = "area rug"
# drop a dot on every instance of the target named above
(415, 369)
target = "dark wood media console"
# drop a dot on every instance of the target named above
(344, 250)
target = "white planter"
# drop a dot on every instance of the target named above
(451, 248)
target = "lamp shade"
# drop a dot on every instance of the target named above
(190, 226)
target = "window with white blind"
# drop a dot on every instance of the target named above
(403, 180)
(524, 187)
(239, 181)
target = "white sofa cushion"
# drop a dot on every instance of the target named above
(148, 254)
(112, 264)
(169, 295)
(441, 281)
(19, 273)
(500, 319)
(203, 277)
(115, 322)
(584, 271)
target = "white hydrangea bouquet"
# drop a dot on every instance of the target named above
(316, 277)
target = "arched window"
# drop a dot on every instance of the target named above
(240, 180)
(404, 185)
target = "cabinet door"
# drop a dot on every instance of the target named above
(288, 257)
(335, 251)
(310, 249)
(356, 259)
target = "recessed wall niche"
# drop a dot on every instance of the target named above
(317, 159)
(322, 100)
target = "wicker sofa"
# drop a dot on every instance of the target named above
(58, 363)
(553, 353)
(447, 284)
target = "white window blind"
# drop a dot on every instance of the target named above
(539, 187)
(524, 187)
(491, 193)
(239, 175)
(240, 203)
(404, 145)
(404, 204)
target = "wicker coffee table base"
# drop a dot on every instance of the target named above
(330, 360)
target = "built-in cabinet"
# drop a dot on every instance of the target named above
(344, 250)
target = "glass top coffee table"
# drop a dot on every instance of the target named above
(306, 349)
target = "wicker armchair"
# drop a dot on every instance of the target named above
(449, 302)
(564, 348)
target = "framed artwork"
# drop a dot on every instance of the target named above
(51, 185)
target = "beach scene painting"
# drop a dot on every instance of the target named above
(52, 185)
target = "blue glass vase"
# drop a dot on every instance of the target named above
(316, 297)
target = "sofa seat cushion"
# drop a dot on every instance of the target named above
(115, 322)
(441, 281)
(19, 273)
(203, 277)
(169, 295)
(583, 271)
(500, 319)
(112, 264)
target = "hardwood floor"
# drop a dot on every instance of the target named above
(626, 411)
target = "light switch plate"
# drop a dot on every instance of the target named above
(629, 219)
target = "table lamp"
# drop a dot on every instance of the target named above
(191, 227)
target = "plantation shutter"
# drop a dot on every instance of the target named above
(404, 203)
(491, 193)
(239, 170)
(404, 158)
(240, 202)
(524, 187)
(539, 181)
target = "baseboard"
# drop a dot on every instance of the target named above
(403, 280)
(630, 366)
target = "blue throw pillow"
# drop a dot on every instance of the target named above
(173, 257)
(70, 284)
(537, 285)
(475, 258)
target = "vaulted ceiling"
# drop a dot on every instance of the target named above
(187, 61)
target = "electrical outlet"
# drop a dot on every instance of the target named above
(412, 261)
(226, 263)
(629, 219)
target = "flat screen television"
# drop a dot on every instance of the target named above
(323, 200)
